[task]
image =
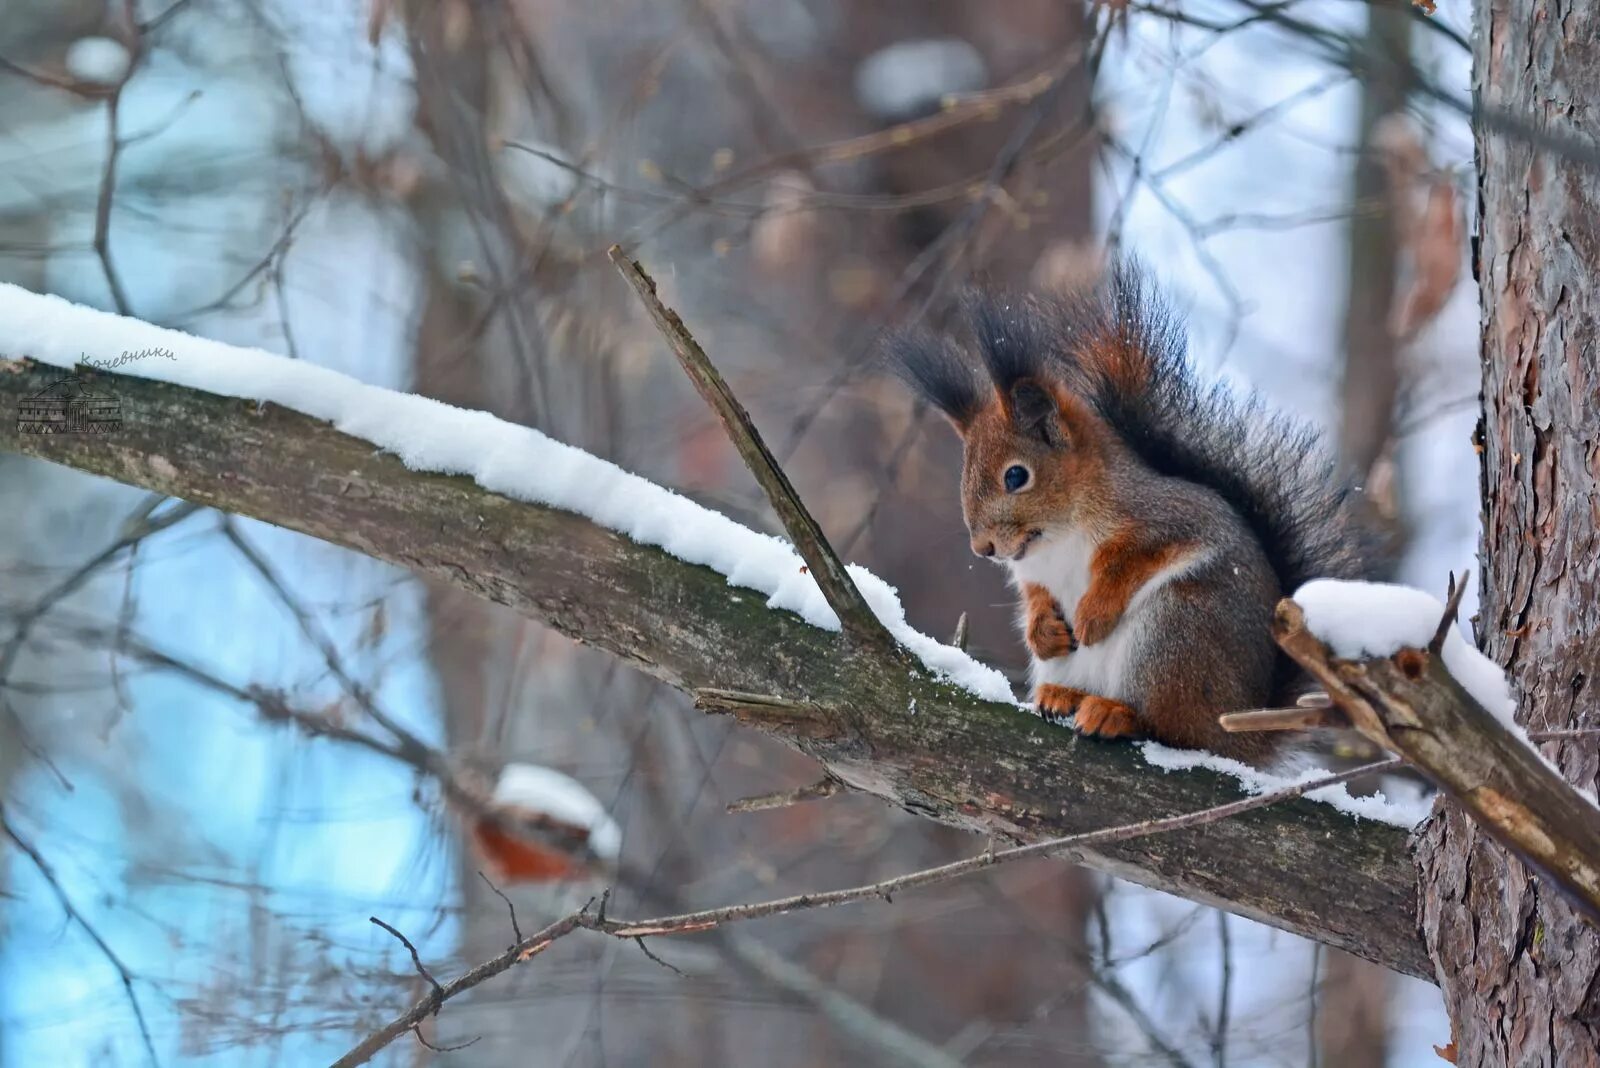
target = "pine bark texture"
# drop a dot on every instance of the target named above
(1519, 970)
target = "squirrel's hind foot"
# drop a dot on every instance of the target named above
(1099, 717)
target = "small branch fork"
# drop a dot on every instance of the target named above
(1409, 705)
(436, 995)
(855, 616)
(686, 923)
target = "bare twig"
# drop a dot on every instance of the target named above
(646, 950)
(1283, 719)
(826, 786)
(464, 791)
(437, 995)
(515, 929)
(1564, 735)
(855, 616)
(318, 637)
(1452, 606)
(77, 917)
(796, 717)
(709, 919)
(959, 638)
(416, 959)
(1219, 1034)
(132, 535)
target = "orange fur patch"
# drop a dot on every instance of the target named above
(1121, 566)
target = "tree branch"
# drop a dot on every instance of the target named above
(1409, 704)
(711, 919)
(882, 725)
(855, 616)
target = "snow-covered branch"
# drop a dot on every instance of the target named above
(1393, 662)
(691, 598)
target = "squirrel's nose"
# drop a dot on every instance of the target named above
(982, 547)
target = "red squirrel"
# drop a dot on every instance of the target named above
(1149, 522)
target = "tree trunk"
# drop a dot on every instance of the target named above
(1519, 970)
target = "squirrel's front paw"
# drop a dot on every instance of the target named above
(1094, 622)
(1049, 634)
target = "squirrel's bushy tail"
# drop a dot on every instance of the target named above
(1122, 349)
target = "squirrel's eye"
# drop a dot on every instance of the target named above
(1016, 477)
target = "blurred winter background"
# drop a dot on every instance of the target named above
(420, 193)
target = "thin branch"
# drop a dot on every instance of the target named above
(1219, 1039)
(155, 22)
(855, 616)
(515, 929)
(648, 952)
(103, 200)
(1298, 718)
(709, 919)
(77, 917)
(318, 637)
(416, 959)
(1452, 607)
(826, 786)
(133, 534)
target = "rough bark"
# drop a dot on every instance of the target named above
(876, 720)
(1519, 970)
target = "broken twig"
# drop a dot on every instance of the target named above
(855, 616)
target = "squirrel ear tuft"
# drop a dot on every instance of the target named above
(1035, 413)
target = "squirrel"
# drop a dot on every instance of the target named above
(1150, 522)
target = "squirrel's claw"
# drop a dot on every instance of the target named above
(1058, 703)
(1098, 717)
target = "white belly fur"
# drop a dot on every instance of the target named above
(1060, 564)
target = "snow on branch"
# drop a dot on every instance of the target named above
(515, 461)
(612, 560)
(1393, 663)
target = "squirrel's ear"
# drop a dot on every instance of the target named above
(1036, 414)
